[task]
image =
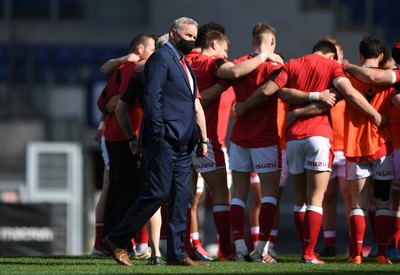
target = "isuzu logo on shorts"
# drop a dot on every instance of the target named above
(204, 165)
(265, 165)
(384, 173)
(317, 163)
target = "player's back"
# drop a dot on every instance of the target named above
(312, 73)
(363, 137)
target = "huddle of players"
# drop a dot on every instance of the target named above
(259, 81)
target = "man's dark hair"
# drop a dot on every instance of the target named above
(210, 26)
(371, 47)
(325, 47)
(139, 39)
(386, 55)
(396, 52)
(259, 29)
(213, 35)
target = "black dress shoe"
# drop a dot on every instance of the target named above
(186, 262)
(119, 254)
(156, 260)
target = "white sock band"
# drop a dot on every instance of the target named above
(238, 202)
(270, 200)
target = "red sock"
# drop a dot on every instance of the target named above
(358, 224)
(237, 221)
(396, 229)
(312, 226)
(382, 229)
(196, 242)
(371, 215)
(219, 247)
(298, 216)
(266, 219)
(223, 226)
(329, 238)
(273, 236)
(98, 235)
(255, 234)
(164, 224)
(392, 241)
(142, 236)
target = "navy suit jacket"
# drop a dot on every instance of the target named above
(168, 101)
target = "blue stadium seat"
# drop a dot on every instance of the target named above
(3, 54)
(65, 55)
(87, 55)
(4, 73)
(43, 54)
(31, 8)
(19, 54)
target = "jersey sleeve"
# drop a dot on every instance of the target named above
(397, 88)
(102, 100)
(397, 74)
(280, 77)
(338, 71)
(134, 89)
(225, 84)
(219, 62)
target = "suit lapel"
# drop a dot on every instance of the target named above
(179, 64)
(182, 70)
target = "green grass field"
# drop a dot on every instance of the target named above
(92, 265)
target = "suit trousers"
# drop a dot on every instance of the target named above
(167, 173)
(126, 183)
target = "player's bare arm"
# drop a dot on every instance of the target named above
(294, 96)
(232, 71)
(257, 97)
(396, 99)
(110, 65)
(121, 111)
(201, 123)
(366, 75)
(208, 96)
(112, 103)
(344, 86)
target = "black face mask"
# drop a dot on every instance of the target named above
(185, 46)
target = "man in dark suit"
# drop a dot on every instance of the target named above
(169, 134)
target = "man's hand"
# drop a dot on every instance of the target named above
(239, 109)
(135, 150)
(202, 149)
(328, 97)
(290, 118)
(345, 62)
(275, 58)
(132, 58)
(380, 121)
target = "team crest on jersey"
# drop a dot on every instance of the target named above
(369, 94)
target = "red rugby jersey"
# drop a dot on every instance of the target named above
(206, 68)
(258, 127)
(116, 85)
(310, 73)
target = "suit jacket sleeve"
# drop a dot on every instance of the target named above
(156, 70)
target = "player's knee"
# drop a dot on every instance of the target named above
(382, 189)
